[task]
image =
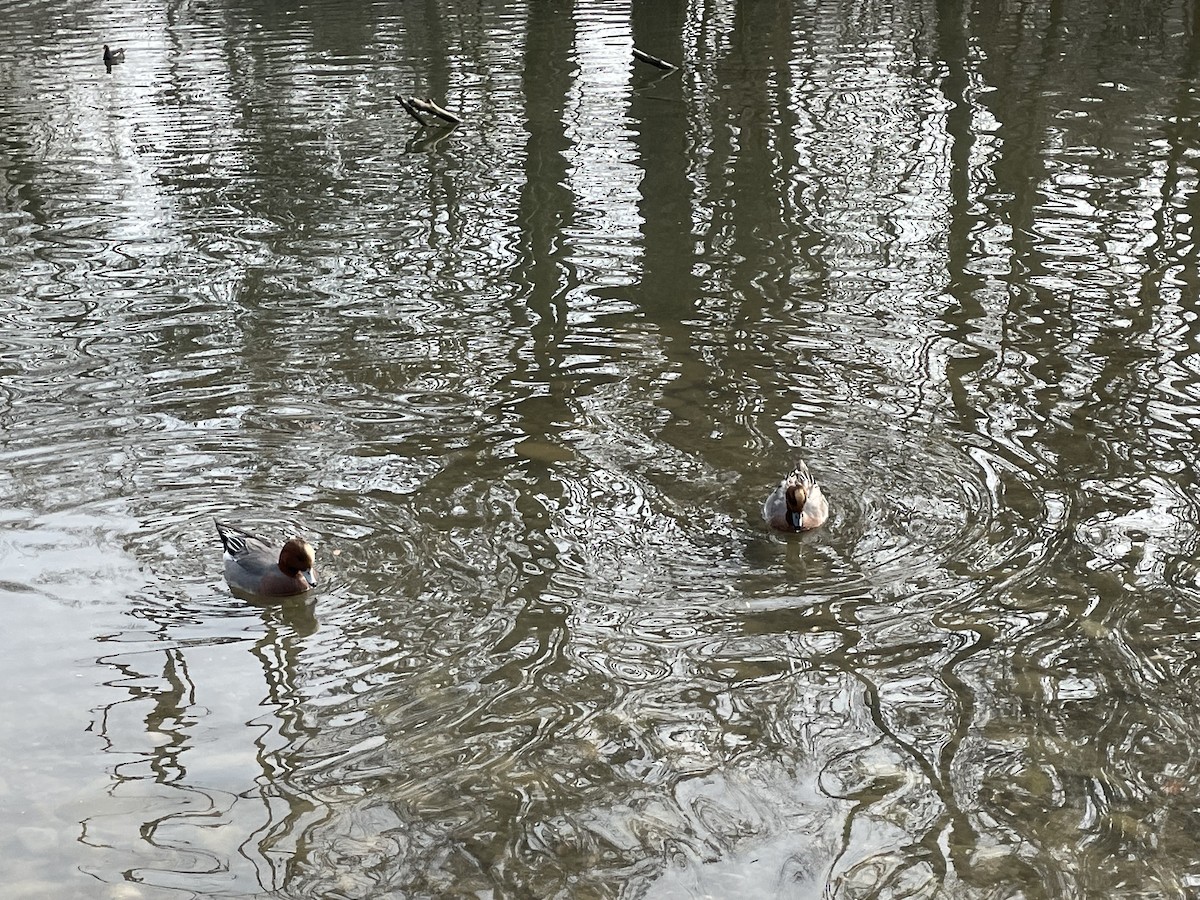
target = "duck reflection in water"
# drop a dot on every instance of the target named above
(254, 567)
(797, 504)
(113, 57)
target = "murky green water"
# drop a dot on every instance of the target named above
(526, 384)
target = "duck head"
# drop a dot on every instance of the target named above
(806, 505)
(298, 559)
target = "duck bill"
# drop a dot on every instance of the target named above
(309, 577)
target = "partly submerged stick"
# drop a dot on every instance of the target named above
(653, 60)
(414, 106)
(411, 110)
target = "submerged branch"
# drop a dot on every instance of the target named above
(408, 108)
(653, 60)
(414, 106)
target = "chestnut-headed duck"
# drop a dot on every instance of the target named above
(253, 566)
(797, 504)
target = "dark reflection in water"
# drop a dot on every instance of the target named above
(527, 381)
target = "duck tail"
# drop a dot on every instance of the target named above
(223, 531)
(802, 475)
(233, 539)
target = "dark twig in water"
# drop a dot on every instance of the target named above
(113, 57)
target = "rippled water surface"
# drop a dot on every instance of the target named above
(526, 382)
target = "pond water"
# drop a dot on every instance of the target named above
(525, 384)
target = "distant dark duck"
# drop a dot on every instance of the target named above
(113, 57)
(253, 566)
(797, 504)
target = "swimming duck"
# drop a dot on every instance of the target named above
(113, 57)
(251, 566)
(797, 504)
